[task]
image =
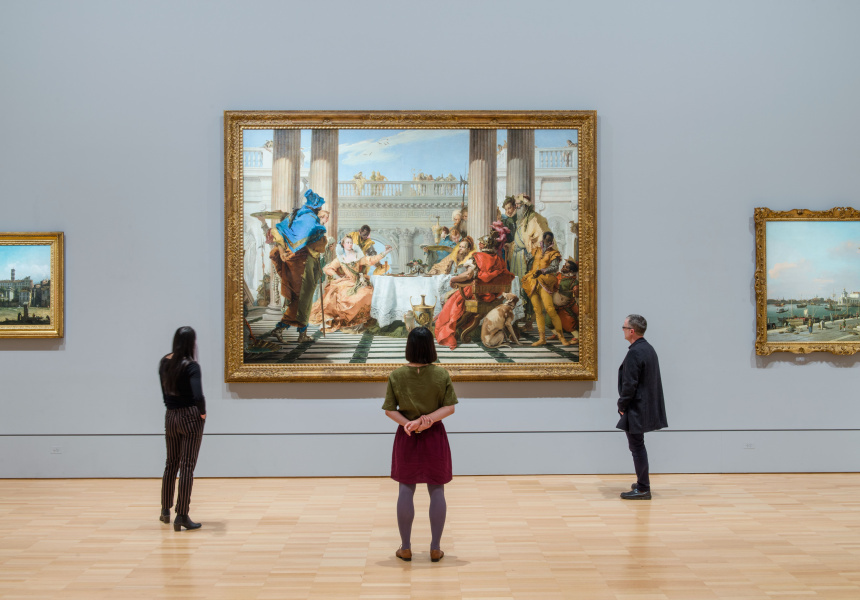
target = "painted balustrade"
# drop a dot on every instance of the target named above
(252, 158)
(399, 189)
(556, 158)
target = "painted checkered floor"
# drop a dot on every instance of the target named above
(346, 348)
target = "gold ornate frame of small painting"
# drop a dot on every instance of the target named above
(807, 281)
(31, 285)
(412, 178)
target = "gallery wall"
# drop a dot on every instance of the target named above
(111, 119)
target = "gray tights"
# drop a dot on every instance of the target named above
(406, 513)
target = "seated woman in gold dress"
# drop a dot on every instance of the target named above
(347, 299)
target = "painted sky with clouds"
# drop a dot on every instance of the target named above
(809, 259)
(28, 261)
(401, 154)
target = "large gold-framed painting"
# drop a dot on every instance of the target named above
(346, 230)
(31, 288)
(807, 281)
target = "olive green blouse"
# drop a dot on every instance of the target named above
(416, 391)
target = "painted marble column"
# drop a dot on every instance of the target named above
(482, 182)
(521, 163)
(396, 235)
(286, 166)
(286, 181)
(275, 300)
(323, 175)
(407, 237)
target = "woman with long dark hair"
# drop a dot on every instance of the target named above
(182, 390)
(420, 394)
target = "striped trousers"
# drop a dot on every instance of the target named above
(183, 431)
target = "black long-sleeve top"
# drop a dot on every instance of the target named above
(189, 387)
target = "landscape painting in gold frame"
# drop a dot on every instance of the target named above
(31, 285)
(807, 281)
(345, 230)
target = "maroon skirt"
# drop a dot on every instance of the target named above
(422, 457)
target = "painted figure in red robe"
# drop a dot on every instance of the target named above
(486, 268)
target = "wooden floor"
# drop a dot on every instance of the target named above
(530, 537)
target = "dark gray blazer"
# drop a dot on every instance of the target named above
(640, 390)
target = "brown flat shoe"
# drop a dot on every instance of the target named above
(436, 555)
(403, 554)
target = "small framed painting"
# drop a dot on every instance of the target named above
(807, 281)
(31, 285)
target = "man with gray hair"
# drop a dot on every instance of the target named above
(640, 401)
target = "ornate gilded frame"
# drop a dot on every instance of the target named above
(55, 328)
(763, 216)
(236, 122)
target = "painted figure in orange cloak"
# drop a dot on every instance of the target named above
(347, 299)
(485, 267)
(540, 283)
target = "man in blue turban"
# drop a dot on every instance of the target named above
(299, 241)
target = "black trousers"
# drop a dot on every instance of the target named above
(183, 431)
(636, 443)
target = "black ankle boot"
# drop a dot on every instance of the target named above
(183, 521)
(165, 516)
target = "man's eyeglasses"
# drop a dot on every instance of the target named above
(623, 327)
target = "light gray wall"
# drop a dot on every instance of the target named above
(111, 121)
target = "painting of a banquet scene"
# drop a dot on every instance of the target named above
(353, 237)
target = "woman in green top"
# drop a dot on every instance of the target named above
(419, 395)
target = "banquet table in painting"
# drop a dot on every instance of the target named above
(394, 295)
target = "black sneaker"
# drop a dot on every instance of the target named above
(635, 494)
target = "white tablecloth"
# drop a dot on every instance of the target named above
(393, 296)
